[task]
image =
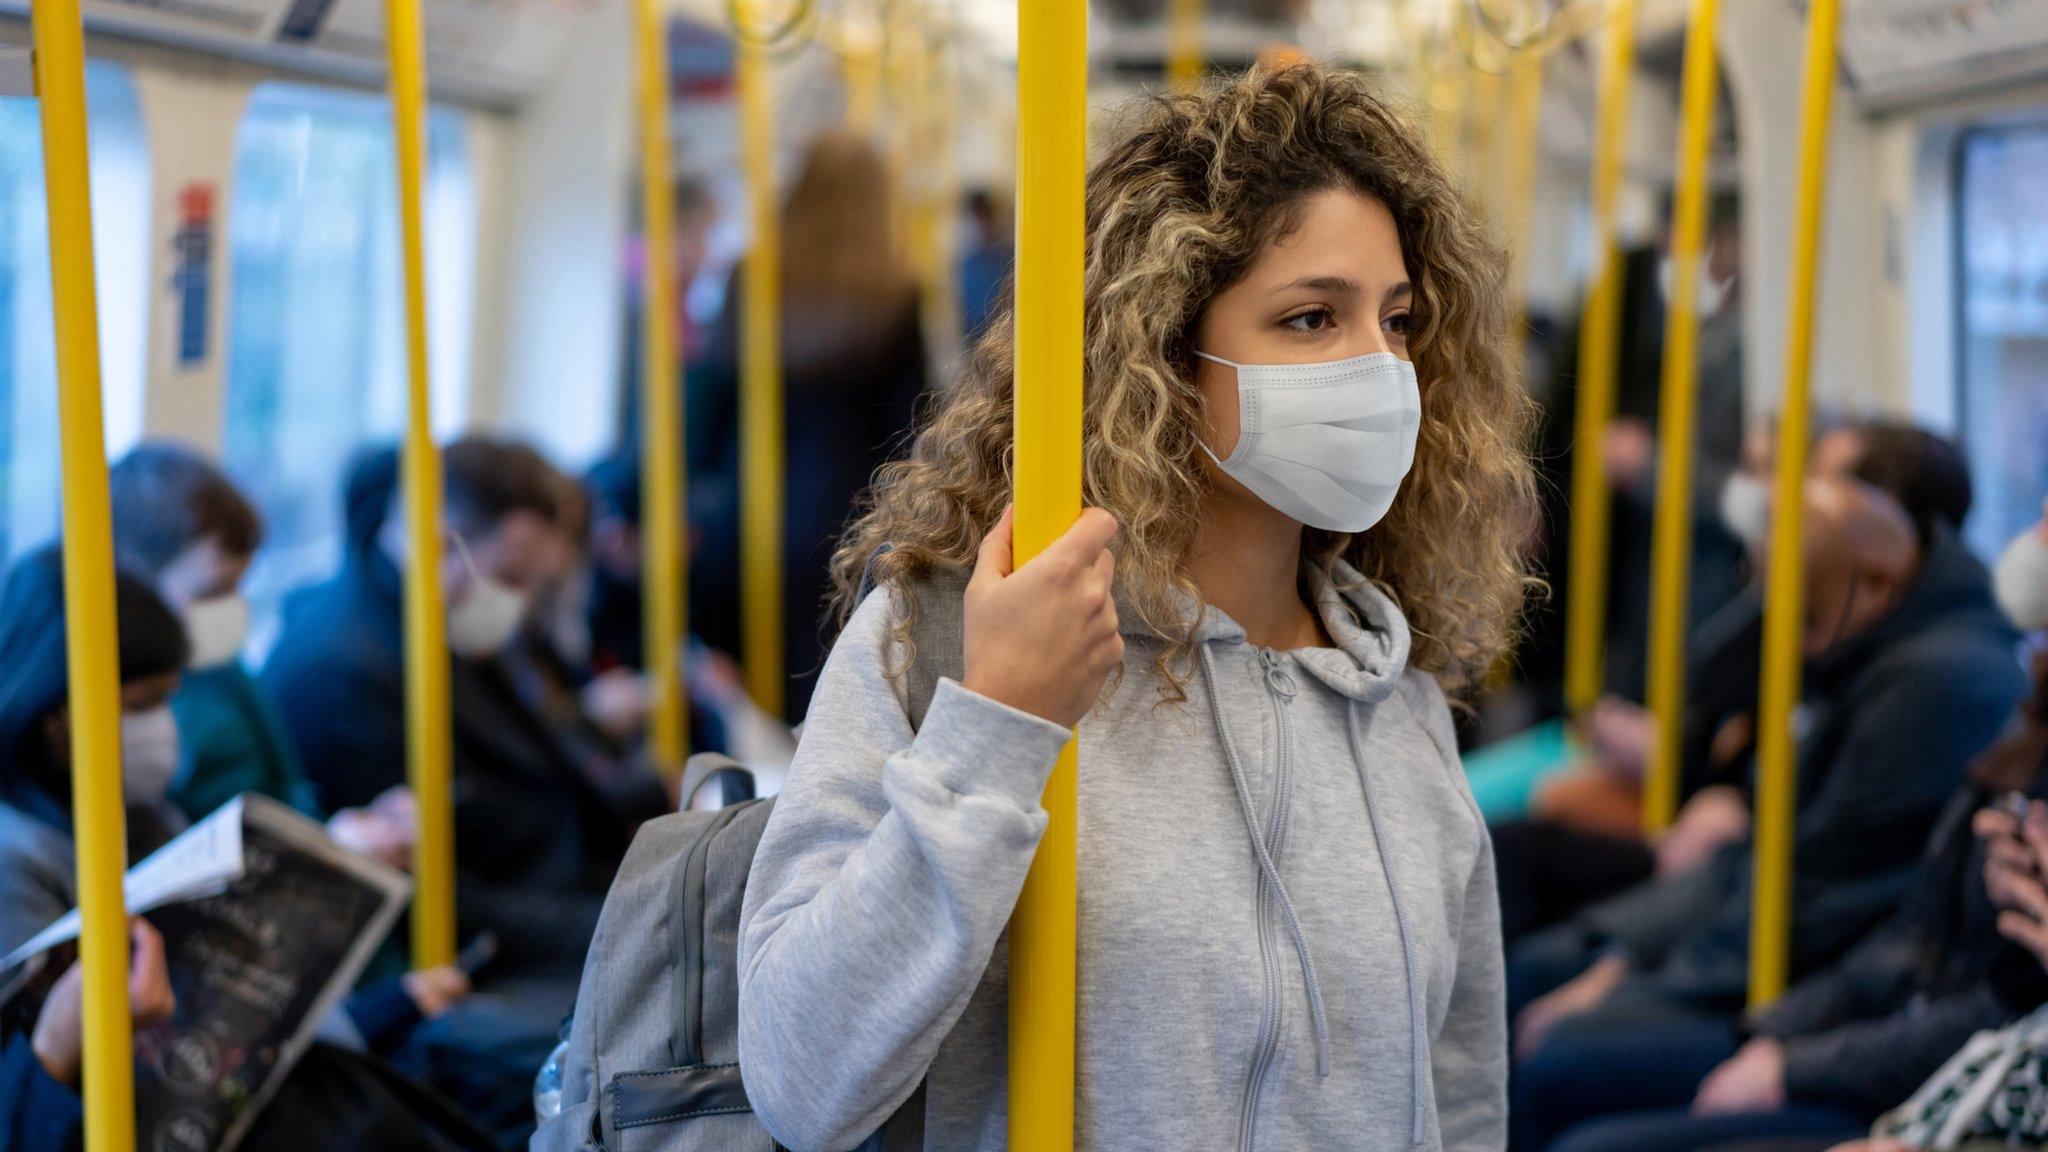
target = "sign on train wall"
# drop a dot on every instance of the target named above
(1900, 52)
(493, 49)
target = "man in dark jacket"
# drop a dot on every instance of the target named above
(1910, 672)
(536, 839)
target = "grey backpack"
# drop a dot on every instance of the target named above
(652, 1061)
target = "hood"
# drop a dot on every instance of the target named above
(1951, 584)
(1370, 632)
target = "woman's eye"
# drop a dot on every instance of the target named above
(1397, 324)
(1314, 320)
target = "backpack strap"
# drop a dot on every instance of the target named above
(699, 770)
(937, 631)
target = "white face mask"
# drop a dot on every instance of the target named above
(487, 616)
(1328, 444)
(1746, 508)
(149, 754)
(1708, 294)
(217, 628)
(2021, 581)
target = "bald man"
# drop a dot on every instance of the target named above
(1909, 672)
(1861, 556)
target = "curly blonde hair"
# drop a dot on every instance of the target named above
(1197, 185)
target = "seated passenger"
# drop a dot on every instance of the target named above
(41, 1109)
(536, 841)
(1305, 437)
(1582, 844)
(39, 1106)
(1908, 673)
(181, 524)
(723, 717)
(1850, 1041)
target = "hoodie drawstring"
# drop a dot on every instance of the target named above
(1272, 873)
(1417, 1017)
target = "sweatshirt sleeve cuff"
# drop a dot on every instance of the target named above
(979, 745)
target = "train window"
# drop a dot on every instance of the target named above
(28, 364)
(316, 347)
(2003, 347)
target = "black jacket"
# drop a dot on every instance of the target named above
(536, 840)
(1890, 718)
(1865, 1032)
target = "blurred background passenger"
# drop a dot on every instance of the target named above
(988, 254)
(853, 361)
(1908, 675)
(537, 840)
(183, 526)
(1582, 841)
(37, 882)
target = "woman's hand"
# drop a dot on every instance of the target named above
(1043, 638)
(1752, 1080)
(2015, 864)
(59, 1038)
(1583, 993)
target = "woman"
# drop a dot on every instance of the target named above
(40, 1106)
(1304, 433)
(853, 365)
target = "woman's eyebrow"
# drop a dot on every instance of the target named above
(1335, 285)
(1399, 291)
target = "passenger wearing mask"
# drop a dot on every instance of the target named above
(536, 840)
(1853, 1039)
(40, 1107)
(723, 717)
(181, 524)
(1908, 674)
(39, 1104)
(1582, 843)
(1304, 435)
(853, 360)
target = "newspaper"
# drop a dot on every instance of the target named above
(201, 862)
(266, 926)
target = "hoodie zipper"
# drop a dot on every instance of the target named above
(1280, 688)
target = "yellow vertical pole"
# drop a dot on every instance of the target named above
(91, 636)
(761, 445)
(1770, 929)
(1524, 167)
(1184, 55)
(429, 751)
(661, 431)
(1671, 559)
(1483, 136)
(1052, 97)
(1586, 590)
(861, 73)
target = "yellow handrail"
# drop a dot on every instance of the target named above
(91, 636)
(1671, 562)
(1586, 588)
(1770, 929)
(1052, 130)
(428, 743)
(661, 422)
(1524, 168)
(761, 422)
(1184, 53)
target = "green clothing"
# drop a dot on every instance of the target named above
(231, 741)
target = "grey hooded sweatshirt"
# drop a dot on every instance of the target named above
(1289, 937)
